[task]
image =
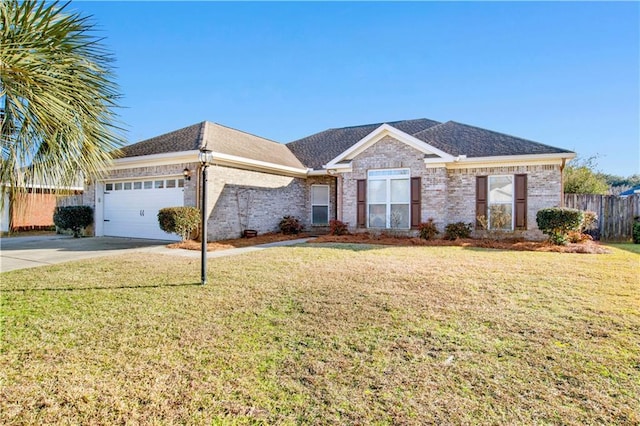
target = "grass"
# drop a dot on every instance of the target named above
(326, 334)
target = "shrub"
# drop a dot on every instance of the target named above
(578, 237)
(428, 229)
(337, 227)
(181, 221)
(75, 218)
(558, 222)
(636, 230)
(589, 220)
(290, 225)
(453, 231)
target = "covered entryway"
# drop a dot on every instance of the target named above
(131, 207)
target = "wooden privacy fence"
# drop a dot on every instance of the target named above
(615, 214)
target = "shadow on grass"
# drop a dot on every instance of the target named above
(630, 247)
(118, 287)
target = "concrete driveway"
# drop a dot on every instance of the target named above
(29, 252)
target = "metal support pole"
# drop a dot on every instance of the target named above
(203, 237)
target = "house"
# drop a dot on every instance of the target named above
(631, 191)
(33, 208)
(380, 176)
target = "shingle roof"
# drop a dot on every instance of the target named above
(320, 148)
(462, 139)
(218, 138)
(451, 137)
(186, 139)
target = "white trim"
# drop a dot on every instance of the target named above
(510, 160)
(312, 172)
(226, 159)
(328, 205)
(388, 203)
(182, 157)
(163, 159)
(143, 178)
(513, 200)
(98, 217)
(377, 135)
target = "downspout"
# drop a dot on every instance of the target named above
(564, 162)
(338, 203)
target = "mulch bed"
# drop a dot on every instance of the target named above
(518, 245)
(591, 247)
(237, 243)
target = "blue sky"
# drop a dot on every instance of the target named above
(561, 73)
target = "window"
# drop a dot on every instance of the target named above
(159, 184)
(127, 185)
(171, 183)
(180, 183)
(117, 186)
(500, 203)
(319, 204)
(388, 195)
(109, 187)
(148, 184)
(137, 185)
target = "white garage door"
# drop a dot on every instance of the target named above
(131, 207)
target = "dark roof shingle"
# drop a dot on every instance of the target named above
(186, 139)
(320, 148)
(462, 139)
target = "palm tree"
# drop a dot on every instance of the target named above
(57, 97)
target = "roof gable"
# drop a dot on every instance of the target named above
(319, 149)
(225, 142)
(433, 153)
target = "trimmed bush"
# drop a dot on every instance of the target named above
(338, 227)
(75, 218)
(428, 229)
(181, 221)
(636, 230)
(453, 231)
(290, 225)
(557, 222)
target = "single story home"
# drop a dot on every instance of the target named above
(383, 176)
(631, 191)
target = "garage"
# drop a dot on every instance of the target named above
(131, 207)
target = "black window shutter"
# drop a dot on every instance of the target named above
(481, 199)
(521, 201)
(361, 197)
(416, 199)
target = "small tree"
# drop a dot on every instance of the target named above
(581, 177)
(428, 229)
(75, 218)
(290, 225)
(453, 231)
(181, 221)
(558, 222)
(337, 227)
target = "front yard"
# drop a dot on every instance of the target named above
(325, 334)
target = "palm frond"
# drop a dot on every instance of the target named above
(57, 97)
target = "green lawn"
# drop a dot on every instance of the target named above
(325, 334)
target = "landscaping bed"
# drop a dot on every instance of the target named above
(385, 239)
(238, 242)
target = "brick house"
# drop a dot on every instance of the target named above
(380, 176)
